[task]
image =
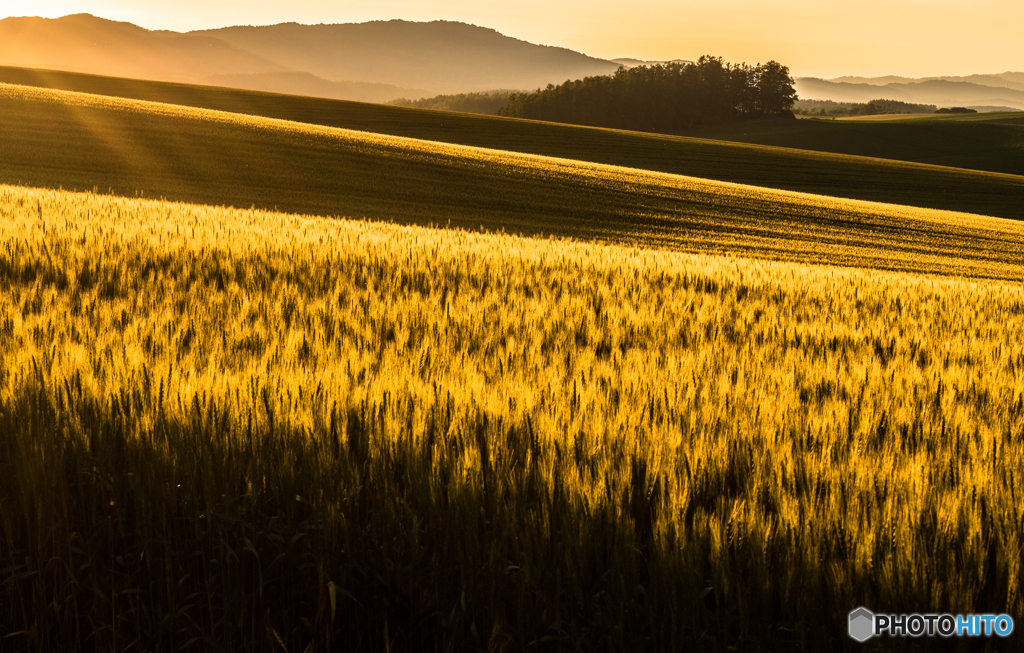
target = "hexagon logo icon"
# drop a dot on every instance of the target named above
(862, 624)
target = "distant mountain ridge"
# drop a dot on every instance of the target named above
(442, 56)
(381, 61)
(376, 61)
(1002, 80)
(84, 43)
(980, 91)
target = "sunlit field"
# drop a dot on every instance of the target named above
(284, 153)
(245, 430)
(214, 157)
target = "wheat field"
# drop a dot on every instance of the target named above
(246, 430)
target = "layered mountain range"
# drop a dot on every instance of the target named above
(384, 60)
(376, 61)
(981, 92)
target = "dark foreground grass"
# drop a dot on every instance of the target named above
(823, 173)
(231, 531)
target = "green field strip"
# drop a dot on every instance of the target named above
(986, 142)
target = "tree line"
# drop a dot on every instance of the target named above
(488, 102)
(878, 107)
(663, 97)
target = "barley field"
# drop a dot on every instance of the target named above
(234, 430)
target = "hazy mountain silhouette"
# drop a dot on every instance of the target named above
(375, 61)
(84, 43)
(1004, 80)
(445, 57)
(873, 81)
(940, 92)
(385, 60)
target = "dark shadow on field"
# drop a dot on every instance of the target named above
(227, 528)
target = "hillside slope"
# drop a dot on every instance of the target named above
(210, 157)
(991, 142)
(771, 167)
(309, 85)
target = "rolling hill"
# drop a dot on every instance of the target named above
(309, 85)
(770, 166)
(986, 141)
(129, 147)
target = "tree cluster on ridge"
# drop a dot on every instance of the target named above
(663, 97)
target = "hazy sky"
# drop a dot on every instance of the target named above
(913, 38)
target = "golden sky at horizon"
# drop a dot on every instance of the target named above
(912, 38)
